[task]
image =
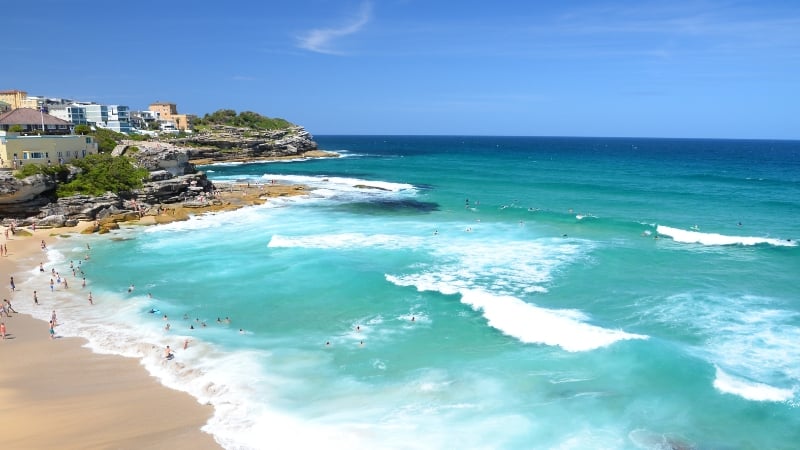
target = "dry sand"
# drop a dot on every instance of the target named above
(58, 394)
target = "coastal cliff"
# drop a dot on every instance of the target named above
(226, 143)
(173, 177)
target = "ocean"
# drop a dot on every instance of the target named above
(440, 292)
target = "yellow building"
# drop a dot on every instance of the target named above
(169, 112)
(14, 98)
(44, 139)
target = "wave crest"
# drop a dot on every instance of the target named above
(696, 237)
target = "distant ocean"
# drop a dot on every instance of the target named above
(471, 293)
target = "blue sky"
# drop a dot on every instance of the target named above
(716, 69)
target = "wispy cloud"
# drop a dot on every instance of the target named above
(321, 40)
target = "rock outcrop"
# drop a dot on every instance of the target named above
(20, 198)
(227, 143)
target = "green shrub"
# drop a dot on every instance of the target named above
(103, 173)
(58, 172)
(246, 119)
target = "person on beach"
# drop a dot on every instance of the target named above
(52, 330)
(53, 319)
(168, 353)
(186, 344)
(41, 267)
(44, 246)
(52, 285)
(13, 286)
(3, 330)
(35, 299)
(91, 302)
(9, 307)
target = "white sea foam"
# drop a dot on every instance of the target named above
(750, 390)
(757, 343)
(527, 322)
(697, 237)
(340, 183)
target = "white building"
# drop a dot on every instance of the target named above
(74, 114)
(113, 117)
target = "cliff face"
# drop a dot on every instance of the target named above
(24, 197)
(227, 143)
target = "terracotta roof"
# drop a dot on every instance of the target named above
(29, 116)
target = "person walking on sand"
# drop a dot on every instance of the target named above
(8, 305)
(3, 330)
(13, 286)
(35, 299)
(52, 330)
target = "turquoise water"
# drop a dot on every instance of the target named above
(473, 292)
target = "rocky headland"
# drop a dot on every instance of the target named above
(174, 189)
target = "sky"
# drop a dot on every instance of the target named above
(683, 69)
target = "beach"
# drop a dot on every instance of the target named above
(57, 393)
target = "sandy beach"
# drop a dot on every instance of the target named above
(56, 393)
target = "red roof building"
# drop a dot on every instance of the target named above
(33, 121)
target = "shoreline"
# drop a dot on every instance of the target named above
(87, 399)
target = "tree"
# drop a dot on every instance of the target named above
(16, 129)
(83, 129)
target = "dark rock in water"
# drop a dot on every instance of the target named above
(384, 206)
(364, 186)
